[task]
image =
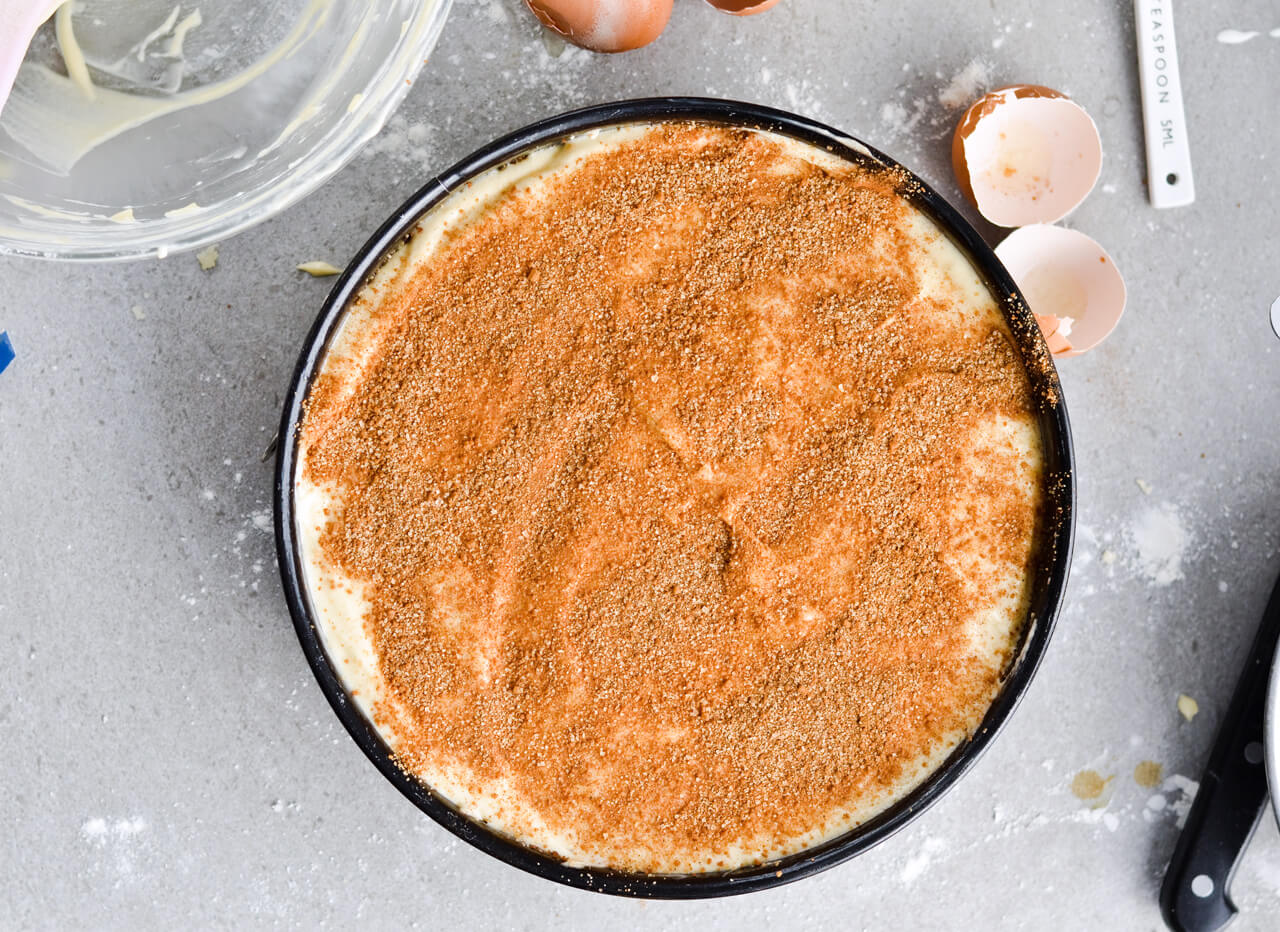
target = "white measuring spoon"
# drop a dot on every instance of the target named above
(19, 20)
(1169, 182)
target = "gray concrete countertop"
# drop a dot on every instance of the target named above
(168, 758)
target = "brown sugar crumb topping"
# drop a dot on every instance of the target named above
(652, 485)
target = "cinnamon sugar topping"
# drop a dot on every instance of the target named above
(692, 512)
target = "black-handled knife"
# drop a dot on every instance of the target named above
(1233, 792)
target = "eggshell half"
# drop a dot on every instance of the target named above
(604, 25)
(1070, 283)
(1026, 154)
(742, 7)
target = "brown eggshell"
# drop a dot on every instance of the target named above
(604, 25)
(1069, 149)
(742, 7)
(969, 122)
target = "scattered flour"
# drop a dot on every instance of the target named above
(807, 99)
(403, 142)
(1183, 790)
(119, 846)
(1109, 820)
(1160, 541)
(100, 831)
(497, 13)
(900, 120)
(968, 84)
(894, 115)
(919, 862)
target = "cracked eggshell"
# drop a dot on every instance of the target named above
(604, 25)
(742, 7)
(1070, 283)
(1026, 154)
(1057, 333)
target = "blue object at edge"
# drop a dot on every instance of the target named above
(6, 351)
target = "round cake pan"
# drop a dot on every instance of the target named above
(1049, 572)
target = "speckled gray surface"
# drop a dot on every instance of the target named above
(167, 757)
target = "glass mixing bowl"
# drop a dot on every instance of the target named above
(204, 117)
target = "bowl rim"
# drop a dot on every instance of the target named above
(1052, 563)
(218, 223)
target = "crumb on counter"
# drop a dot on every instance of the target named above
(1148, 774)
(318, 269)
(208, 258)
(1089, 784)
(1187, 706)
